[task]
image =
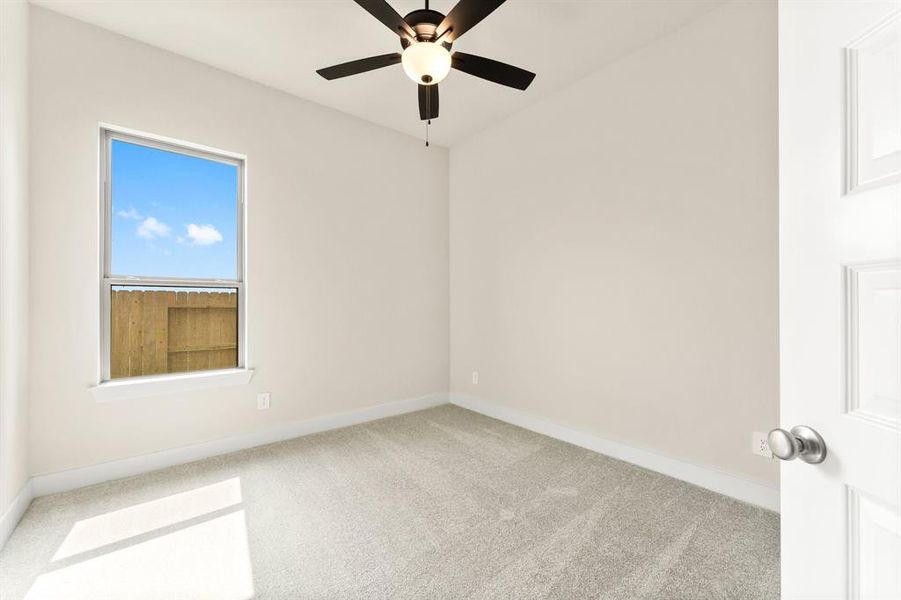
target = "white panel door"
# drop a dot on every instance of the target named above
(840, 295)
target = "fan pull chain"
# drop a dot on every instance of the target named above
(428, 109)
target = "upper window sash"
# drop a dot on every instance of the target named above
(184, 148)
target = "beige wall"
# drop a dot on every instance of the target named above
(347, 261)
(614, 249)
(13, 249)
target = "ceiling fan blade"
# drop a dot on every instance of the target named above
(464, 16)
(382, 11)
(428, 102)
(360, 66)
(492, 70)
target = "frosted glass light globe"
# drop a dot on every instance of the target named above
(426, 63)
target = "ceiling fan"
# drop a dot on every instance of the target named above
(427, 37)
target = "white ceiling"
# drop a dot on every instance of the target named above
(281, 43)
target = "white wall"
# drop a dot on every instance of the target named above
(614, 249)
(13, 250)
(347, 236)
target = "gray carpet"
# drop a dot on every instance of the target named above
(441, 503)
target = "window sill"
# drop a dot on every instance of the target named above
(141, 387)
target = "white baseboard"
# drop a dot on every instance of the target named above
(62, 481)
(717, 481)
(14, 513)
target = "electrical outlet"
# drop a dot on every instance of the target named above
(263, 401)
(760, 445)
(475, 378)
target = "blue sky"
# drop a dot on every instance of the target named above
(173, 215)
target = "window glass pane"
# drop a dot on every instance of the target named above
(156, 330)
(172, 215)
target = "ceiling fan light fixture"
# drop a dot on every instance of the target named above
(426, 63)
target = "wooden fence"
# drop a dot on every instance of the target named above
(155, 332)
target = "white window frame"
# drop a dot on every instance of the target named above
(149, 385)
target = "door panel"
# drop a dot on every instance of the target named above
(875, 548)
(840, 295)
(874, 342)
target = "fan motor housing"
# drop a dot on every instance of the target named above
(425, 23)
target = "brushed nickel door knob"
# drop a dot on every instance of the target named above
(801, 442)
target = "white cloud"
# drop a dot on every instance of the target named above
(203, 235)
(151, 228)
(131, 213)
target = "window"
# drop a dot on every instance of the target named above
(172, 293)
